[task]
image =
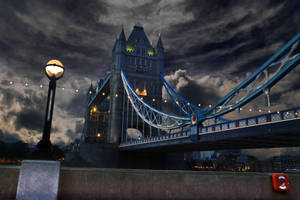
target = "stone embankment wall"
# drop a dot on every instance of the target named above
(92, 183)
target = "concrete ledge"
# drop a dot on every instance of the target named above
(95, 183)
(38, 180)
(92, 183)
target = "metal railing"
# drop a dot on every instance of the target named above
(274, 117)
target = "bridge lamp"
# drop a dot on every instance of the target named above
(54, 70)
(98, 135)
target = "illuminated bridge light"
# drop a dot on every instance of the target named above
(41, 86)
(278, 112)
(209, 106)
(103, 93)
(153, 99)
(63, 89)
(259, 110)
(26, 84)
(165, 100)
(142, 93)
(269, 111)
(188, 103)
(76, 90)
(116, 95)
(90, 92)
(98, 135)
(250, 109)
(11, 82)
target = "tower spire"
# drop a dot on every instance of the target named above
(122, 35)
(159, 42)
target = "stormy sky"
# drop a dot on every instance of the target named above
(210, 47)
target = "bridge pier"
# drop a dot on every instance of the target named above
(152, 160)
(109, 156)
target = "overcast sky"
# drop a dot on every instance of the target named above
(210, 47)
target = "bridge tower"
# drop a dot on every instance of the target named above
(143, 64)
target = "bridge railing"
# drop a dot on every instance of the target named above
(161, 138)
(252, 121)
(274, 117)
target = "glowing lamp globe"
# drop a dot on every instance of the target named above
(54, 69)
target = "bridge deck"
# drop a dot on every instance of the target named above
(263, 131)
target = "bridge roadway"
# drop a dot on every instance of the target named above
(277, 129)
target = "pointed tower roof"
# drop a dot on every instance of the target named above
(138, 35)
(159, 42)
(122, 35)
(91, 88)
(115, 45)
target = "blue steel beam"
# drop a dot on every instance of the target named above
(287, 68)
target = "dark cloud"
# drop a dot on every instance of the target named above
(9, 136)
(191, 90)
(30, 119)
(75, 134)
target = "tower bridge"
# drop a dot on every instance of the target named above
(125, 109)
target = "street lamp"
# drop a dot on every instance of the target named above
(54, 70)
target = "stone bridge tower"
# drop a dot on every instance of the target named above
(143, 64)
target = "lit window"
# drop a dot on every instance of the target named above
(129, 48)
(150, 53)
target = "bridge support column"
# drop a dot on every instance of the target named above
(152, 160)
(115, 122)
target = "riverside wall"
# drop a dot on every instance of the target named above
(131, 184)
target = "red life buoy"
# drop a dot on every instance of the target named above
(281, 182)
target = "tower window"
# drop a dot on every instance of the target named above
(150, 52)
(129, 48)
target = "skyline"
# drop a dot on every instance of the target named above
(210, 47)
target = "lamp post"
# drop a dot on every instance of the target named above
(54, 70)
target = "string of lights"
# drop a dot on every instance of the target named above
(28, 84)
